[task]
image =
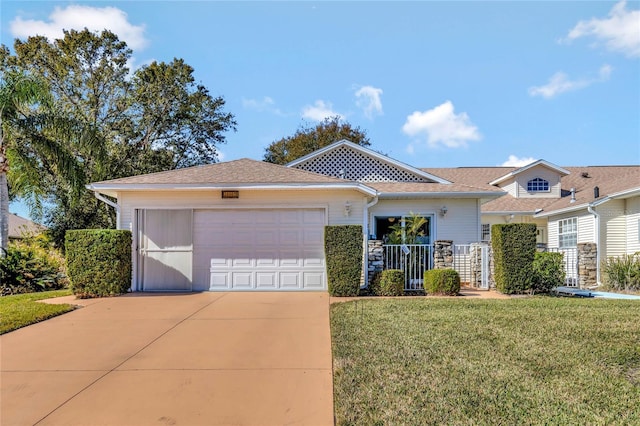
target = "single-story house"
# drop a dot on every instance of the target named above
(250, 225)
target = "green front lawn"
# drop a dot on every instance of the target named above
(21, 310)
(455, 361)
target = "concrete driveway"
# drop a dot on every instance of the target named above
(178, 359)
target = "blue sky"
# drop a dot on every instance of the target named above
(434, 84)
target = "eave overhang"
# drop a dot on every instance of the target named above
(113, 190)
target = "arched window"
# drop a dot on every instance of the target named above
(538, 185)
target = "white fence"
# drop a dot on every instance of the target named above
(570, 260)
(471, 261)
(413, 259)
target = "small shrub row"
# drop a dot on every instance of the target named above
(623, 272)
(32, 265)
(389, 282)
(442, 281)
(343, 253)
(99, 261)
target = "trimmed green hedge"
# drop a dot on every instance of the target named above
(343, 251)
(98, 261)
(442, 281)
(514, 248)
(548, 272)
(391, 283)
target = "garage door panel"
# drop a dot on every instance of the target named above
(313, 280)
(290, 238)
(220, 262)
(266, 280)
(289, 217)
(219, 281)
(242, 262)
(242, 280)
(290, 259)
(290, 280)
(260, 249)
(313, 237)
(313, 217)
(266, 258)
(266, 237)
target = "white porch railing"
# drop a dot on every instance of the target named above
(570, 261)
(413, 259)
(470, 260)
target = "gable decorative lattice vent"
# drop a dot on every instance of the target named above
(348, 164)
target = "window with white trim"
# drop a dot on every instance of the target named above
(538, 185)
(486, 232)
(568, 233)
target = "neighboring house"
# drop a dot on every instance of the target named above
(250, 225)
(571, 206)
(19, 227)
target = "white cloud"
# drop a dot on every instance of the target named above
(319, 111)
(514, 161)
(442, 126)
(368, 99)
(560, 83)
(77, 17)
(266, 104)
(620, 31)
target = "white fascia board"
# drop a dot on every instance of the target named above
(371, 153)
(396, 195)
(114, 189)
(618, 195)
(627, 193)
(547, 164)
(521, 213)
(562, 211)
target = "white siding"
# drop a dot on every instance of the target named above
(585, 227)
(461, 223)
(613, 228)
(633, 225)
(334, 202)
(538, 172)
(511, 187)
(586, 223)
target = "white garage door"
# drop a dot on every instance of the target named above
(259, 249)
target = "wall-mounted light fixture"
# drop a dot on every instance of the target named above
(509, 218)
(347, 208)
(443, 211)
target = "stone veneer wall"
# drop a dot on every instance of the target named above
(476, 265)
(375, 263)
(587, 264)
(442, 254)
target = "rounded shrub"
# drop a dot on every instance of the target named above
(548, 272)
(442, 281)
(391, 283)
(99, 262)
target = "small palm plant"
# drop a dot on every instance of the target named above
(410, 233)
